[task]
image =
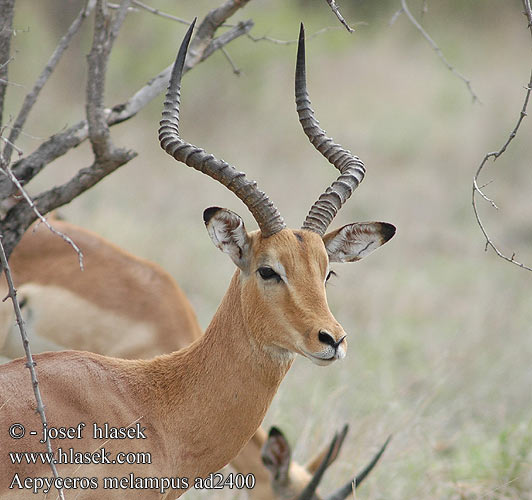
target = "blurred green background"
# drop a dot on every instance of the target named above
(440, 338)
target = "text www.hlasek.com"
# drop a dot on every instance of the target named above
(70, 456)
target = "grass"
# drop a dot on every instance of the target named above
(439, 331)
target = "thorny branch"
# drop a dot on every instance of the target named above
(42, 219)
(267, 38)
(497, 154)
(434, 45)
(334, 8)
(7, 8)
(107, 157)
(30, 364)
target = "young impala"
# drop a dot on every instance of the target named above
(194, 410)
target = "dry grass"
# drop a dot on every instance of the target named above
(440, 342)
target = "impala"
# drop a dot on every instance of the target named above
(290, 481)
(92, 310)
(195, 409)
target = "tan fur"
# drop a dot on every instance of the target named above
(88, 327)
(249, 460)
(110, 275)
(232, 372)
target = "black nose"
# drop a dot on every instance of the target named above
(328, 339)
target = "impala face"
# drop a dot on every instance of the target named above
(284, 287)
(283, 277)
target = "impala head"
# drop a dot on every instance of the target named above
(291, 481)
(282, 272)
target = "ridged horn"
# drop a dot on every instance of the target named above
(334, 449)
(267, 216)
(345, 491)
(351, 168)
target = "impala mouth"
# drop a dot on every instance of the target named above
(320, 360)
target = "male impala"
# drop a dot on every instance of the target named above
(117, 293)
(292, 482)
(193, 410)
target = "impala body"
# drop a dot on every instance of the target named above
(120, 305)
(196, 408)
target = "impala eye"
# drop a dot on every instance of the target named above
(330, 275)
(267, 273)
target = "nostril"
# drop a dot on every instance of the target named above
(340, 341)
(326, 338)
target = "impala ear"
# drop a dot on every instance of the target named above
(355, 241)
(276, 455)
(228, 233)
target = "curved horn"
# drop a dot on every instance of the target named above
(334, 449)
(267, 216)
(343, 492)
(350, 166)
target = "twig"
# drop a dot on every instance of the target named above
(294, 41)
(7, 8)
(31, 98)
(395, 17)
(105, 32)
(160, 13)
(495, 155)
(438, 51)
(240, 29)
(334, 7)
(528, 13)
(7, 171)
(30, 364)
(236, 70)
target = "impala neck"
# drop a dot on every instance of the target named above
(219, 386)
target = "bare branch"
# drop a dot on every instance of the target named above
(240, 29)
(395, 17)
(31, 204)
(21, 216)
(59, 144)
(31, 97)
(528, 13)
(107, 157)
(266, 38)
(160, 13)
(438, 51)
(334, 8)
(236, 70)
(6, 31)
(495, 155)
(30, 364)
(206, 29)
(105, 32)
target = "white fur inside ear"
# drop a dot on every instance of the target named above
(228, 233)
(356, 241)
